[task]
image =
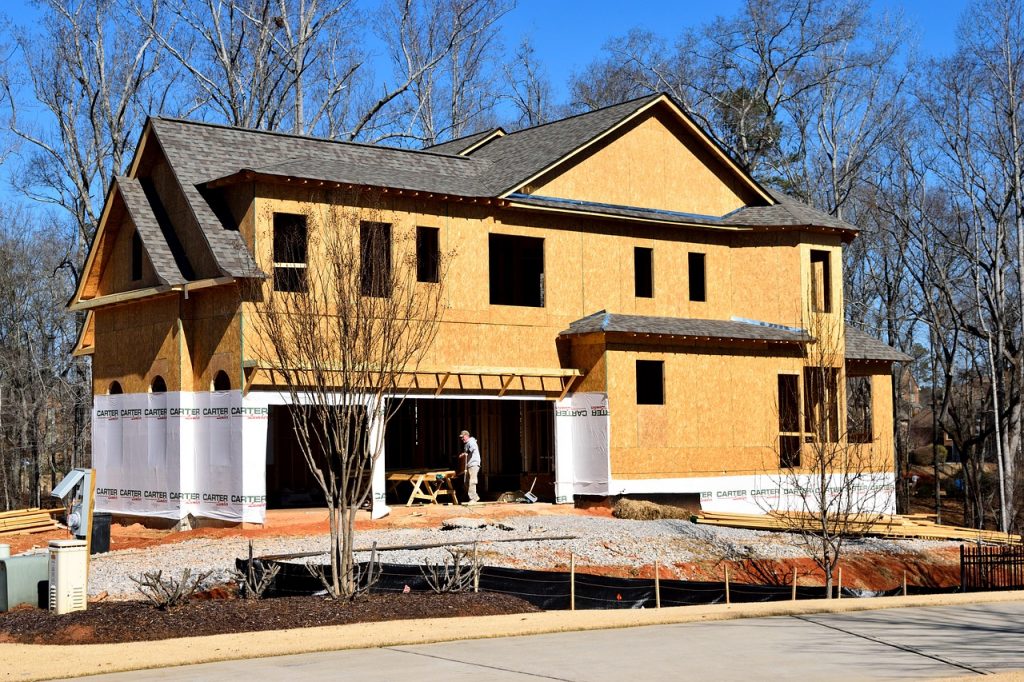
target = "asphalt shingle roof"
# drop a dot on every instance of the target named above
(859, 345)
(199, 153)
(520, 155)
(153, 239)
(683, 327)
(461, 144)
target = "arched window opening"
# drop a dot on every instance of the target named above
(158, 385)
(115, 388)
(221, 382)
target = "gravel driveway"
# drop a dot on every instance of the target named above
(599, 542)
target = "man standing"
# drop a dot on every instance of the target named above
(471, 451)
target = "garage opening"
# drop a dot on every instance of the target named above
(516, 439)
(290, 484)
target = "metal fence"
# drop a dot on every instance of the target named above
(991, 568)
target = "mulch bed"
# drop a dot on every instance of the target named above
(135, 621)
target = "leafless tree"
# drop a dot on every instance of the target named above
(341, 344)
(529, 89)
(830, 477)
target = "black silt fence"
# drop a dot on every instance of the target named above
(551, 590)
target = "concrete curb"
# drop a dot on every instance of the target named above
(41, 662)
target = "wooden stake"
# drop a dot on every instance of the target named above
(839, 592)
(727, 599)
(572, 582)
(476, 569)
(794, 583)
(657, 581)
(904, 583)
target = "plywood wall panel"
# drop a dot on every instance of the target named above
(652, 163)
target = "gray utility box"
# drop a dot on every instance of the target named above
(24, 580)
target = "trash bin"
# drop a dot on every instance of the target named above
(100, 533)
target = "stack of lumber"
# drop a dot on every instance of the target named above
(32, 520)
(886, 526)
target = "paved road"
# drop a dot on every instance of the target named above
(892, 644)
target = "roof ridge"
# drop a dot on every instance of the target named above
(651, 97)
(488, 131)
(312, 138)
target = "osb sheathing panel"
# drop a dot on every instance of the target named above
(719, 416)
(588, 267)
(654, 163)
(116, 275)
(151, 326)
(213, 329)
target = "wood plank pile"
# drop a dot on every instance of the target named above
(896, 526)
(33, 520)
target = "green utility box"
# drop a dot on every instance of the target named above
(24, 581)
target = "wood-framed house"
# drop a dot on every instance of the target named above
(622, 306)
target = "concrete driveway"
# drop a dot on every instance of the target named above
(892, 644)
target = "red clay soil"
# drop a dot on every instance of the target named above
(133, 621)
(291, 522)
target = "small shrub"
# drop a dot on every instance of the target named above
(458, 573)
(256, 578)
(641, 510)
(166, 593)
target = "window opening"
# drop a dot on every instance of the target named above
(858, 410)
(136, 256)
(290, 253)
(821, 413)
(221, 382)
(115, 388)
(375, 259)
(789, 421)
(516, 270)
(821, 282)
(158, 385)
(650, 382)
(696, 269)
(428, 254)
(643, 272)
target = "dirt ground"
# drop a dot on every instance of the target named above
(939, 568)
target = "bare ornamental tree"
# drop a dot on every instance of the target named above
(830, 477)
(341, 338)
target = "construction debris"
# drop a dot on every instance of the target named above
(885, 526)
(33, 520)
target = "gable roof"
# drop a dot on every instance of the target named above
(153, 239)
(490, 165)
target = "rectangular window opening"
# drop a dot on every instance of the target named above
(136, 256)
(858, 410)
(428, 254)
(375, 259)
(643, 272)
(789, 452)
(650, 382)
(696, 274)
(789, 421)
(290, 252)
(821, 413)
(516, 270)
(821, 282)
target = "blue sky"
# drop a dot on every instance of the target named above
(568, 34)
